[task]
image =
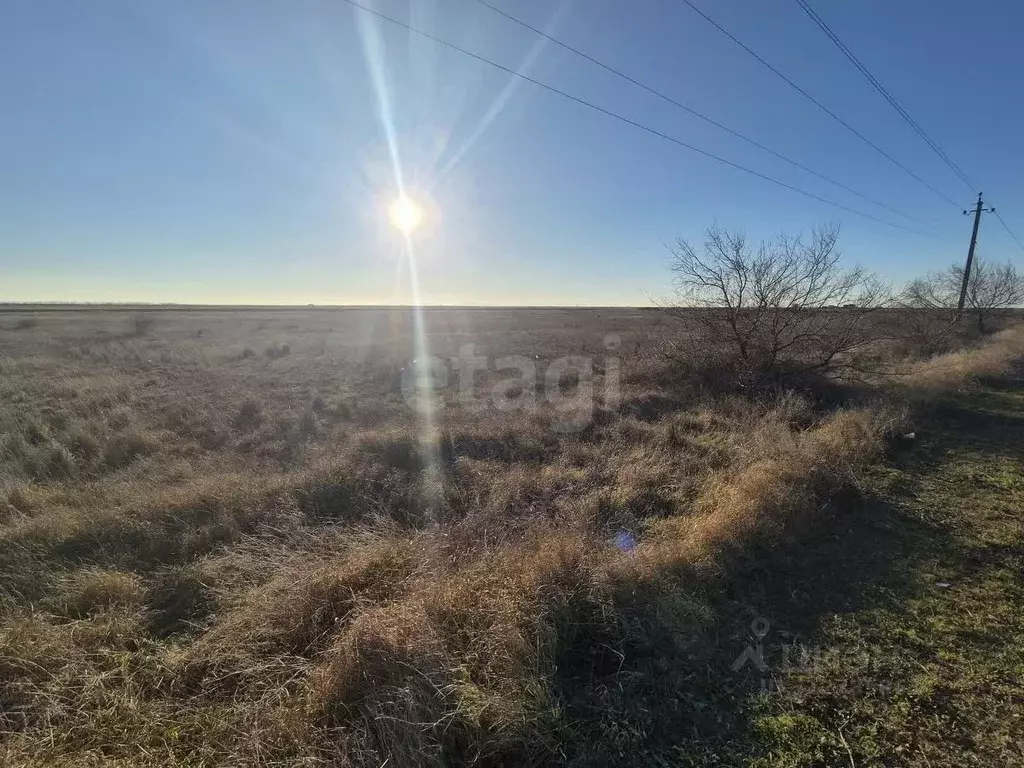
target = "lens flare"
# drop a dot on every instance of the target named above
(405, 214)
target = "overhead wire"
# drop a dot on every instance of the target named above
(812, 14)
(622, 118)
(899, 109)
(1008, 230)
(664, 97)
(818, 104)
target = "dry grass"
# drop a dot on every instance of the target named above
(218, 557)
(996, 357)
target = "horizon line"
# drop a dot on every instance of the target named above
(71, 305)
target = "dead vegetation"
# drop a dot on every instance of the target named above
(777, 312)
(216, 557)
(991, 290)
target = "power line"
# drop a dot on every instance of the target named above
(1008, 230)
(881, 89)
(622, 118)
(664, 97)
(901, 112)
(820, 106)
(899, 109)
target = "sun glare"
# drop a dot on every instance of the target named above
(405, 214)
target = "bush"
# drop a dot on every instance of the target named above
(785, 310)
(991, 288)
(924, 332)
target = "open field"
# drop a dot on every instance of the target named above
(247, 537)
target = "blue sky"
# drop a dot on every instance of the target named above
(234, 151)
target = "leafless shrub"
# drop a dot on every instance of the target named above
(991, 288)
(922, 332)
(782, 310)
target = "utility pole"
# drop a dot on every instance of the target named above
(978, 210)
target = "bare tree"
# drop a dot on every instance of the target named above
(990, 289)
(782, 308)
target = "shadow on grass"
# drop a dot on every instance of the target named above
(665, 703)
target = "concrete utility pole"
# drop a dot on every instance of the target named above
(978, 209)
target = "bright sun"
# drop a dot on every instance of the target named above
(405, 214)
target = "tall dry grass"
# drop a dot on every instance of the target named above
(290, 593)
(998, 356)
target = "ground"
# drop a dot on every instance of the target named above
(231, 537)
(891, 630)
(918, 648)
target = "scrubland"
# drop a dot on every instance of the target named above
(227, 537)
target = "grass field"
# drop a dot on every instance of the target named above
(237, 537)
(914, 612)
